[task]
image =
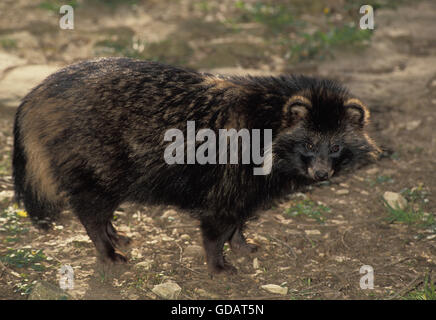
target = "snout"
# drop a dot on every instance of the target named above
(320, 174)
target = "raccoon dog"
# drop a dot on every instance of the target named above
(91, 136)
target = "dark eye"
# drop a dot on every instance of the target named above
(309, 146)
(335, 148)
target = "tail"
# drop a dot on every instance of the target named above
(42, 210)
(18, 163)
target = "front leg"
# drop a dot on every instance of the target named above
(215, 233)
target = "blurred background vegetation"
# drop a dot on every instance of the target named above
(203, 34)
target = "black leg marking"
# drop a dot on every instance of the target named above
(215, 234)
(117, 237)
(96, 214)
(239, 244)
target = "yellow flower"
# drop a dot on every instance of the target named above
(326, 10)
(22, 213)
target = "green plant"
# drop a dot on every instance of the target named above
(25, 286)
(419, 193)
(308, 208)
(395, 156)
(413, 213)
(24, 258)
(320, 44)
(112, 3)
(54, 5)
(376, 4)
(384, 179)
(408, 216)
(121, 46)
(428, 291)
(275, 17)
(12, 223)
(381, 179)
(204, 5)
(8, 44)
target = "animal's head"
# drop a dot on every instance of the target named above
(322, 132)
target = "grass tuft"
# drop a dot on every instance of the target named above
(309, 209)
(414, 214)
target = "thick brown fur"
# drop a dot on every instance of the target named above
(91, 137)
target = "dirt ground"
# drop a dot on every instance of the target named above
(314, 242)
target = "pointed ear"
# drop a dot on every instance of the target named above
(356, 112)
(296, 109)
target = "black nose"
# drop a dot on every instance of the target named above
(321, 175)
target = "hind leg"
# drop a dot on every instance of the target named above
(117, 237)
(98, 232)
(96, 214)
(41, 211)
(215, 234)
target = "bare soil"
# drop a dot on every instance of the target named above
(317, 254)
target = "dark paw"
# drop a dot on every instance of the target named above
(117, 257)
(245, 248)
(42, 224)
(225, 268)
(249, 248)
(118, 239)
(121, 240)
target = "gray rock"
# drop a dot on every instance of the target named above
(372, 170)
(412, 125)
(256, 263)
(314, 232)
(395, 200)
(342, 191)
(167, 290)
(144, 265)
(204, 293)
(273, 288)
(169, 214)
(46, 291)
(185, 237)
